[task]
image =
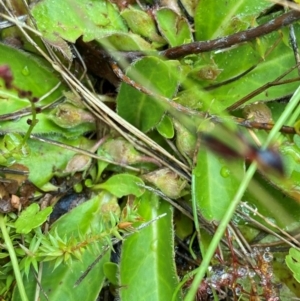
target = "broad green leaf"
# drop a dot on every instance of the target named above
(166, 128)
(70, 19)
(31, 218)
(46, 160)
(173, 27)
(214, 183)
(30, 73)
(293, 262)
(228, 17)
(123, 184)
(147, 269)
(157, 76)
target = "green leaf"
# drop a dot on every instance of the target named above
(110, 270)
(69, 116)
(12, 149)
(121, 151)
(205, 241)
(4, 255)
(184, 226)
(49, 159)
(293, 262)
(133, 105)
(141, 23)
(147, 268)
(122, 184)
(168, 181)
(166, 128)
(30, 73)
(276, 63)
(190, 6)
(46, 126)
(185, 140)
(70, 19)
(228, 17)
(215, 183)
(31, 218)
(174, 28)
(124, 41)
(279, 207)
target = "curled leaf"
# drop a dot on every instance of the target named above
(121, 151)
(167, 181)
(68, 116)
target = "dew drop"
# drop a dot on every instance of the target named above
(267, 256)
(249, 208)
(226, 277)
(238, 290)
(225, 172)
(271, 220)
(263, 281)
(25, 71)
(242, 272)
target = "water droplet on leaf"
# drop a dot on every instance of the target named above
(25, 71)
(267, 256)
(225, 172)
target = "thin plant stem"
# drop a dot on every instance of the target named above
(239, 194)
(294, 117)
(287, 113)
(13, 259)
(33, 122)
(196, 221)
